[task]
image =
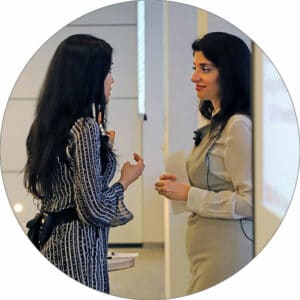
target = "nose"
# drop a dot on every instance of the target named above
(195, 77)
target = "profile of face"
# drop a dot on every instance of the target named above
(109, 80)
(206, 79)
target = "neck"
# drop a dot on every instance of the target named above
(216, 104)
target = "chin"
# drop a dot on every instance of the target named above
(201, 96)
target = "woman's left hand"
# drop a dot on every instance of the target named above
(111, 137)
(172, 190)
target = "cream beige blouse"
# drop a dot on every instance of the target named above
(231, 160)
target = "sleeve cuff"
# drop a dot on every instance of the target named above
(119, 189)
(123, 215)
(195, 201)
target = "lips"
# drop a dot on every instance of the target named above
(200, 87)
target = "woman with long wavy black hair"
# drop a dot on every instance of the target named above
(219, 238)
(71, 162)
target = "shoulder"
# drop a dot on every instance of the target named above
(239, 121)
(239, 126)
(85, 127)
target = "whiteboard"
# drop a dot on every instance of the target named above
(276, 148)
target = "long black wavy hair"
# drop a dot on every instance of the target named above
(74, 83)
(232, 58)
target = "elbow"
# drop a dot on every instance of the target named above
(95, 218)
(244, 207)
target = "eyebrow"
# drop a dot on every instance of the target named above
(205, 64)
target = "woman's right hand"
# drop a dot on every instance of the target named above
(168, 177)
(168, 187)
(130, 172)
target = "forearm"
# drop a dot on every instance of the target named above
(223, 204)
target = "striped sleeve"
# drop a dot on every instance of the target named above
(96, 202)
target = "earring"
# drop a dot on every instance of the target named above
(94, 110)
(102, 130)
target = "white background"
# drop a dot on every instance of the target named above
(25, 25)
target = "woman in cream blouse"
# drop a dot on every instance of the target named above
(219, 238)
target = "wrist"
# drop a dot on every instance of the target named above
(123, 183)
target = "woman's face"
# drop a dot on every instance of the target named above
(109, 80)
(206, 79)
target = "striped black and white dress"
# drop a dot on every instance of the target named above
(79, 248)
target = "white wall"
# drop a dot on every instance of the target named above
(153, 128)
(216, 23)
(181, 121)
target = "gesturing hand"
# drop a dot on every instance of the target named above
(130, 172)
(168, 187)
